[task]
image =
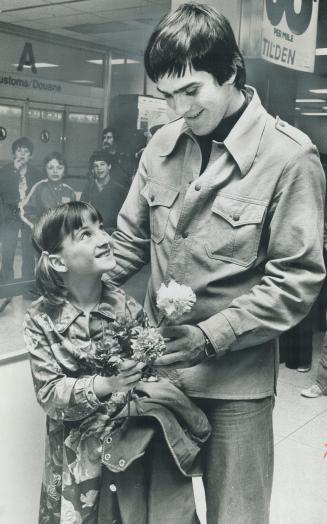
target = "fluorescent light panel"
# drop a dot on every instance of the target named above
(319, 91)
(321, 51)
(39, 65)
(314, 114)
(309, 100)
(83, 81)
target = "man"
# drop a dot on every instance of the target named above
(108, 141)
(120, 160)
(102, 191)
(227, 200)
(16, 181)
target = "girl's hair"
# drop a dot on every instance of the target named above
(49, 233)
(54, 156)
(194, 35)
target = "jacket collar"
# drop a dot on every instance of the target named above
(68, 312)
(248, 129)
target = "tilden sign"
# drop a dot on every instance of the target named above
(289, 33)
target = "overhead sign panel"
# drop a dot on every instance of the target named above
(289, 33)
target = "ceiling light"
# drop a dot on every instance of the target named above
(314, 114)
(319, 91)
(38, 65)
(312, 100)
(321, 51)
(298, 109)
(83, 81)
(97, 61)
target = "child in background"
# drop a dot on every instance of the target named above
(50, 192)
(63, 330)
(103, 190)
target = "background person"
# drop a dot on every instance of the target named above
(50, 192)
(243, 227)
(120, 157)
(16, 181)
(103, 191)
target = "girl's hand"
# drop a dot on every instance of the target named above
(128, 377)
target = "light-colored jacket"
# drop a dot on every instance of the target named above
(246, 235)
(62, 345)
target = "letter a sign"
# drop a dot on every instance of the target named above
(27, 58)
(289, 33)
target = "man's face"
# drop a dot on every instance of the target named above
(22, 156)
(100, 169)
(107, 140)
(199, 98)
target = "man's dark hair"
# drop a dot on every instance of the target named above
(109, 130)
(22, 142)
(100, 156)
(194, 35)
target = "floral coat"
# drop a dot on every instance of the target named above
(62, 345)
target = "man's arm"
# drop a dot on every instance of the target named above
(132, 239)
(293, 272)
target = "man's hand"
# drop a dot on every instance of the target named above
(185, 346)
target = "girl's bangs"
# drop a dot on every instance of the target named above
(79, 214)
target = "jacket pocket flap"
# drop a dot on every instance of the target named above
(159, 195)
(238, 212)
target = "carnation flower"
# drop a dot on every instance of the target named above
(147, 344)
(175, 299)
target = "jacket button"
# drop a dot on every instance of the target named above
(107, 456)
(197, 187)
(236, 217)
(109, 440)
(185, 234)
(112, 487)
(152, 198)
(122, 463)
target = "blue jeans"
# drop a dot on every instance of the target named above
(238, 460)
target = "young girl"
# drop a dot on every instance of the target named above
(49, 192)
(64, 330)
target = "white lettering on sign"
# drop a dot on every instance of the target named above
(289, 33)
(13, 81)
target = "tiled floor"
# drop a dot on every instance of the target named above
(300, 425)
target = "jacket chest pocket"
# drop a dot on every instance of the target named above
(160, 200)
(235, 227)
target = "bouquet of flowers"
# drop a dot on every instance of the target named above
(174, 300)
(141, 343)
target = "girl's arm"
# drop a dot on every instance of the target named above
(61, 396)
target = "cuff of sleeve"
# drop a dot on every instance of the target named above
(219, 332)
(84, 392)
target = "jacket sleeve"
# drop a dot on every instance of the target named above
(294, 268)
(62, 397)
(132, 238)
(30, 208)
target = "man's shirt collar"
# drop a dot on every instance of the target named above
(247, 130)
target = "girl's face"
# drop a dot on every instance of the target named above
(55, 170)
(89, 250)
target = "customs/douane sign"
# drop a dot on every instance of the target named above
(289, 33)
